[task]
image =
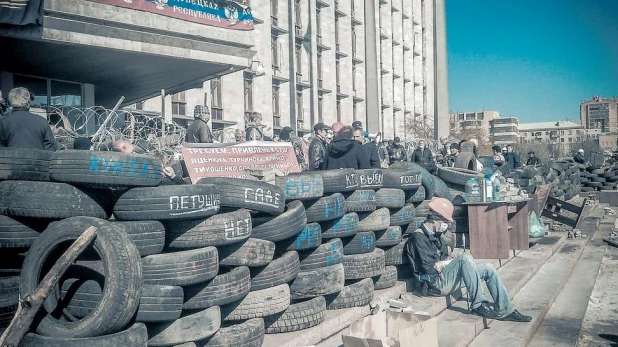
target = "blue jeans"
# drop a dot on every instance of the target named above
(463, 272)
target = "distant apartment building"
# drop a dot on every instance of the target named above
(487, 124)
(460, 121)
(382, 62)
(600, 113)
(565, 133)
(504, 131)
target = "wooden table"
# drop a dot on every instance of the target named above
(494, 228)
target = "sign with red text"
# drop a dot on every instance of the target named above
(220, 13)
(231, 159)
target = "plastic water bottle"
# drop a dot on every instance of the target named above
(473, 190)
(489, 189)
(496, 183)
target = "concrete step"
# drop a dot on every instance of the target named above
(463, 327)
(562, 324)
(525, 262)
(538, 295)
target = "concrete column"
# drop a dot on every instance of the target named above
(441, 109)
(88, 97)
(6, 83)
(372, 81)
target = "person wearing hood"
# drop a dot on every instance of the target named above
(24, 129)
(424, 157)
(199, 131)
(346, 153)
(369, 148)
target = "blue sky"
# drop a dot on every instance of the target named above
(535, 60)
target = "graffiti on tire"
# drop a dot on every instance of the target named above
(189, 204)
(263, 197)
(126, 168)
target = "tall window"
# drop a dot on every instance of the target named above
(215, 93)
(336, 35)
(320, 77)
(276, 113)
(179, 104)
(320, 109)
(353, 42)
(274, 50)
(354, 78)
(299, 59)
(318, 21)
(274, 9)
(248, 86)
(297, 12)
(299, 106)
(337, 73)
(338, 110)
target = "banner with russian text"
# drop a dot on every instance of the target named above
(219, 13)
(231, 159)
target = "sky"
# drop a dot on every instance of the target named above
(536, 60)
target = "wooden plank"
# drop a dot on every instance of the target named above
(489, 238)
(518, 236)
(542, 192)
(564, 205)
(30, 304)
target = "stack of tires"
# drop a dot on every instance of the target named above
(597, 178)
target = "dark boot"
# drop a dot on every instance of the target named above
(485, 311)
(516, 317)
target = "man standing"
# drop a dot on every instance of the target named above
(199, 131)
(317, 147)
(383, 153)
(426, 251)
(369, 148)
(498, 157)
(24, 129)
(449, 161)
(512, 158)
(424, 157)
(399, 153)
(345, 152)
(532, 159)
(287, 135)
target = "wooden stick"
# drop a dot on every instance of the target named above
(30, 304)
(96, 135)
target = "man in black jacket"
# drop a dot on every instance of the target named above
(511, 158)
(317, 147)
(423, 157)
(369, 148)
(579, 157)
(23, 129)
(532, 159)
(426, 252)
(346, 153)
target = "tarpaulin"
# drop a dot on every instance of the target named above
(21, 12)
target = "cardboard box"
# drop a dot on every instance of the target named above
(393, 329)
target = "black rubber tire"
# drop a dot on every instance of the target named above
(218, 230)
(135, 336)
(394, 255)
(402, 179)
(362, 200)
(181, 268)
(610, 179)
(246, 334)
(9, 292)
(587, 189)
(390, 198)
(168, 202)
(527, 172)
(370, 178)
(422, 209)
(599, 172)
(190, 328)
(362, 242)
(388, 237)
(225, 288)
(402, 216)
(148, 236)
(15, 234)
(598, 179)
(377, 220)
(327, 254)
(24, 164)
(416, 196)
(318, 282)
(366, 265)
(456, 175)
(441, 189)
(594, 184)
(157, 303)
(426, 177)
(339, 181)
(95, 168)
(250, 252)
(298, 316)
(281, 270)
(258, 304)
(122, 290)
(387, 279)
(324, 209)
(309, 237)
(300, 186)
(341, 227)
(466, 160)
(288, 224)
(51, 200)
(604, 188)
(357, 294)
(524, 182)
(253, 195)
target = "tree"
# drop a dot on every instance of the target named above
(419, 128)
(479, 133)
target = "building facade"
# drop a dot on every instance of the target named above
(382, 62)
(504, 130)
(563, 133)
(90, 53)
(600, 113)
(473, 124)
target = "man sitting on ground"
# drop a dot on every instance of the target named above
(423, 250)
